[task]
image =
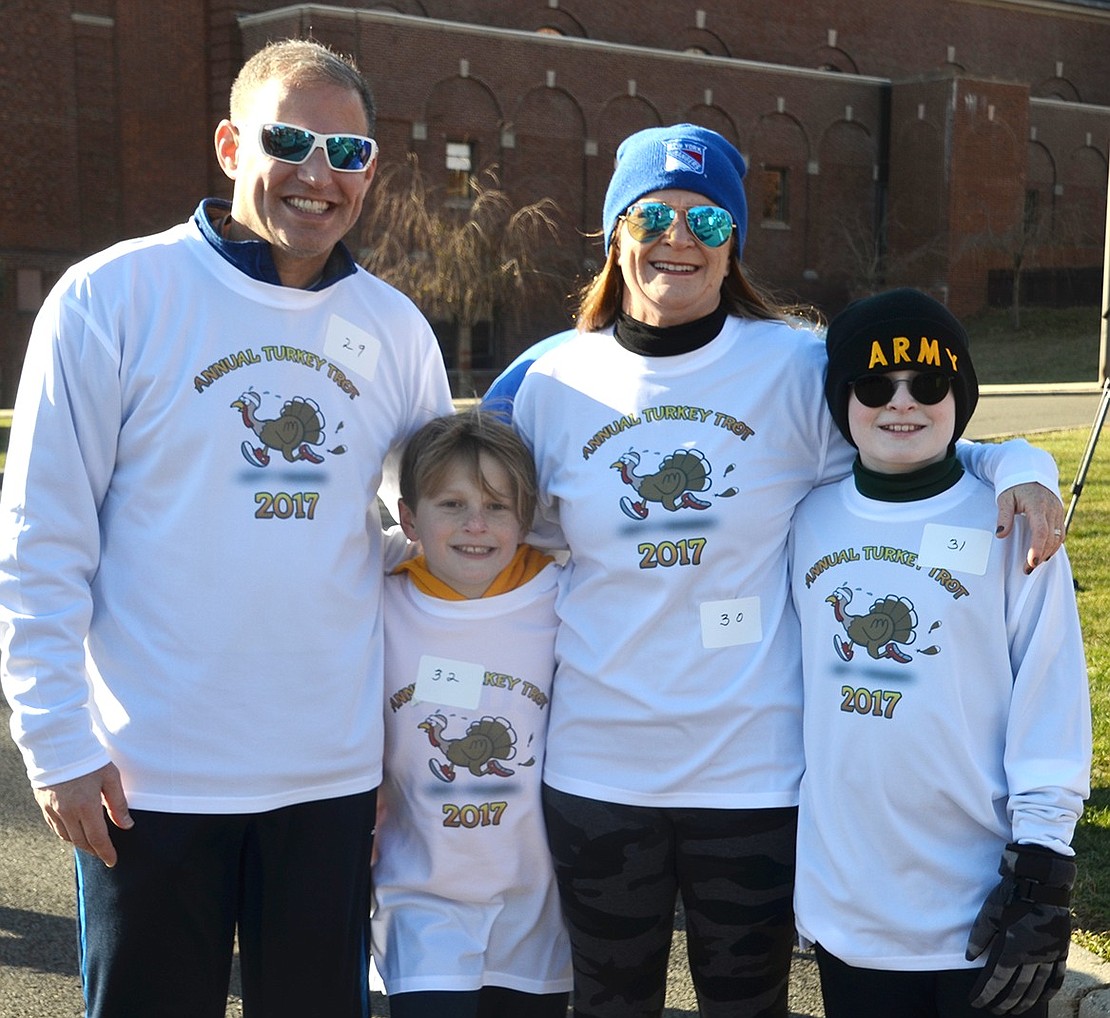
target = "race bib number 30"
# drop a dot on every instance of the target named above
(731, 623)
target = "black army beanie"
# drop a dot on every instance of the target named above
(898, 330)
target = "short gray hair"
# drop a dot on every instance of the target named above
(300, 62)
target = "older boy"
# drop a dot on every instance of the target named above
(947, 724)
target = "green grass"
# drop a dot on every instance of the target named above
(1063, 346)
(1088, 544)
(1052, 345)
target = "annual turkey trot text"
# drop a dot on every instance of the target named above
(291, 354)
(869, 552)
(666, 413)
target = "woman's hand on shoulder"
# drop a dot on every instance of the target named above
(1045, 514)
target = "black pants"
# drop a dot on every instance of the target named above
(488, 1002)
(156, 932)
(851, 992)
(620, 870)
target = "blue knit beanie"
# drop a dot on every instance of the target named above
(686, 157)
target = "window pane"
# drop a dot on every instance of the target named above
(458, 156)
(460, 165)
(775, 194)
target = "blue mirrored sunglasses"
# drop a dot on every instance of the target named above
(348, 153)
(710, 224)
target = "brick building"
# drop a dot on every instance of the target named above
(931, 143)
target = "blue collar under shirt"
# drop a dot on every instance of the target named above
(254, 257)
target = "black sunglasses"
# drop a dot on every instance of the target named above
(927, 387)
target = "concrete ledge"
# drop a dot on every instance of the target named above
(1086, 989)
(1095, 1004)
(1042, 389)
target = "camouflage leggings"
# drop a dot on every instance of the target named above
(620, 869)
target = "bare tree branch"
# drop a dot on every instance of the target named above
(461, 262)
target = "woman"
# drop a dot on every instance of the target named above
(674, 434)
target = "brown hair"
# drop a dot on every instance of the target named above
(599, 301)
(299, 62)
(465, 436)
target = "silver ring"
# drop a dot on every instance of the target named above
(1058, 533)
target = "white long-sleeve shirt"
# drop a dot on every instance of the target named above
(188, 584)
(673, 481)
(946, 714)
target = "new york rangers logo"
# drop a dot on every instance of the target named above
(683, 155)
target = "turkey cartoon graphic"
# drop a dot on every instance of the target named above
(890, 622)
(674, 484)
(486, 741)
(299, 425)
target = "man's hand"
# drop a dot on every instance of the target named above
(75, 811)
(1045, 513)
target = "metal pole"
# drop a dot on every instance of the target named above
(1088, 455)
(1103, 355)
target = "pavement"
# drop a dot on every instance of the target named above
(38, 963)
(1027, 409)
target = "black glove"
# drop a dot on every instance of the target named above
(1026, 923)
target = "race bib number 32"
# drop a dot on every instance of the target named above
(450, 683)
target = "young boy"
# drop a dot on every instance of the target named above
(466, 920)
(947, 723)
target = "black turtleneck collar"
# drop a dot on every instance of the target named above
(910, 487)
(668, 340)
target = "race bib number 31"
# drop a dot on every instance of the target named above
(956, 548)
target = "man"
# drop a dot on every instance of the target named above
(189, 591)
